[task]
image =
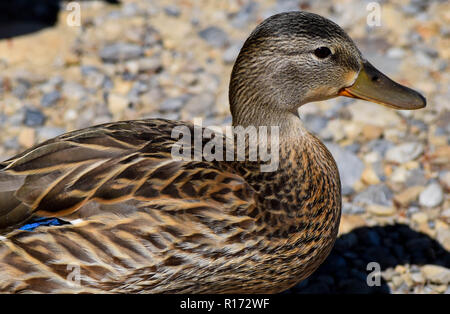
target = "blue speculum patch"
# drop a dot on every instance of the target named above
(42, 221)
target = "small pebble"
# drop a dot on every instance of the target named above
(73, 91)
(349, 164)
(119, 52)
(34, 117)
(369, 176)
(404, 152)
(378, 194)
(173, 104)
(172, 10)
(432, 195)
(214, 36)
(21, 89)
(379, 210)
(49, 99)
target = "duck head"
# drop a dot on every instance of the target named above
(298, 57)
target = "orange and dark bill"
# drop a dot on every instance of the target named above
(374, 86)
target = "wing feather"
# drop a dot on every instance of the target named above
(113, 164)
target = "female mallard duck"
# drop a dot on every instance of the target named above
(145, 222)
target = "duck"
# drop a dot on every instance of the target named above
(117, 213)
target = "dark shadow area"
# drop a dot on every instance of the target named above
(21, 17)
(344, 271)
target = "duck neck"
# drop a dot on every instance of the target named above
(264, 115)
(303, 193)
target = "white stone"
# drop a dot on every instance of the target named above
(432, 195)
(404, 152)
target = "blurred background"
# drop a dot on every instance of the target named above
(135, 59)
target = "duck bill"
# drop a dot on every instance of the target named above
(374, 86)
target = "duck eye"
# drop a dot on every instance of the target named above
(322, 52)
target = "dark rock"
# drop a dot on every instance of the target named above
(419, 244)
(358, 263)
(302, 284)
(34, 117)
(373, 238)
(399, 253)
(356, 273)
(346, 242)
(380, 255)
(326, 279)
(49, 99)
(334, 264)
(350, 255)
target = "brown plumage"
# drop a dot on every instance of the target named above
(150, 223)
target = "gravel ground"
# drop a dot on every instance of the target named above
(172, 59)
